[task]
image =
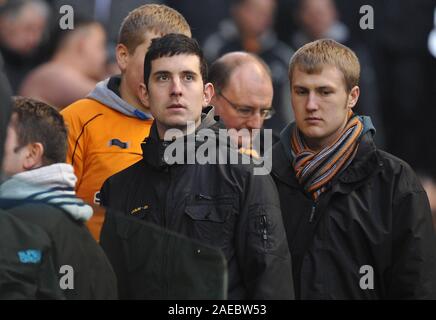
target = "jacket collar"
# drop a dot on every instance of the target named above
(153, 148)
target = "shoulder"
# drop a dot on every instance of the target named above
(14, 228)
(83, 112)
(401, 174)
(84, 108)
(279, 158)
(124, 177)
(45, 215)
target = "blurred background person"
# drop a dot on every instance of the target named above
(110, 13)
(250, 29)
(406, 74)
(77, 64)
(23, 25)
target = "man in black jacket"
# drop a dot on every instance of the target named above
(357, 219)
(40, 191)
(220, 205)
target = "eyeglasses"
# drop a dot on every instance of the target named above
(247, 112)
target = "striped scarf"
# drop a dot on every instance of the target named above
(315, 169)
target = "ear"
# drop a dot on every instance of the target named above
(122, 55)
(353, 96)
(34, 156)
(208, 93)
(143, 95)
(80, 43)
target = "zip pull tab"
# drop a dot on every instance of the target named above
(312, 213)
(203, 197)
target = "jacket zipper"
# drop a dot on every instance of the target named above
(312, 213)
(264, 224)
(164, 259)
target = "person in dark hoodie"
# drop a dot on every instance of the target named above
(106, 129)
(34, 164)
(357, 219)
(221, 205)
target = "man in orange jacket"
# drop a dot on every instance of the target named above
(106, 129)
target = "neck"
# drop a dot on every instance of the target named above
(314, 144)
(70, 61)
(130, 97)
(317, 144)
(170, 133)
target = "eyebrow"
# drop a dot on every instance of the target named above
(189, 72)
(159, 72)
(298, 86)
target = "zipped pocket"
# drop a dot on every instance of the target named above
(207, 199)
(264, 230)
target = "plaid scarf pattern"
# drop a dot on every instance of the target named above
(314, 170)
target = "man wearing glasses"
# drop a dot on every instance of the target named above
(243, 93)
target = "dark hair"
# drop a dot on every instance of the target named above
(170, 45)
(36, 121)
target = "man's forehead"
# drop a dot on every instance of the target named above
(176, 62)
(326, 75)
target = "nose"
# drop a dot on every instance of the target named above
(176, 88)
(312, 102)
(255, 121)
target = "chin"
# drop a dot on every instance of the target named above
(178, 123)
(313, 132)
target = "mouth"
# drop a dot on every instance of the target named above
(313, 119)
(176, 107)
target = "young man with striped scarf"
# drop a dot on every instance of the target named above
(357, 219)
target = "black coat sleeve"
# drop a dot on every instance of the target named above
(262, 246)
(413, 273)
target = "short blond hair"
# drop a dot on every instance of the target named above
(152, 18)
(313, 56)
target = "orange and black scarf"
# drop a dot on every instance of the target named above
(315, 169)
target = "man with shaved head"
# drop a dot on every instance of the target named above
(243, 90)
